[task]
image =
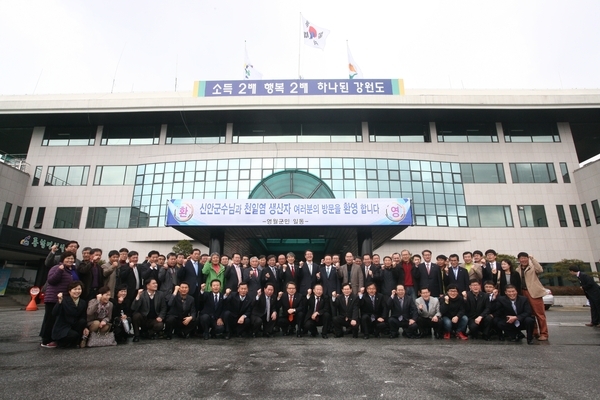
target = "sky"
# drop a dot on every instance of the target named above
(62, 46)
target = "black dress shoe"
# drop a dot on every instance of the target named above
(355, 336)
(206, 336)
(136, 339)
(366, 337)
(324, 335)
(254, 335)
(168, 338)
(227, 336)
(501, 338)
(529, 341)
(298, 334)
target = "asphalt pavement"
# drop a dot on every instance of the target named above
(565, 367)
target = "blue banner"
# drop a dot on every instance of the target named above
(299, 87)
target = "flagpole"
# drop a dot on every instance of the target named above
(300, 46)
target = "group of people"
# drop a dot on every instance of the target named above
(212, 295)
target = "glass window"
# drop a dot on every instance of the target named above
(17, 216)
(489, 216)
(37, 175)
(116, 218)
(596, 209)
(562, 218)
(532, 216)
(67, 217)
(564, 170)
(533, 173)
(40, 218)
(530, 132)
(67, 176)
(107, 175)
(296, 132)
(399, 132)
(27, 218)
(69, 136)
(586, 215)
(466, 132)
(482, 173)
(196, 133)
(575, 215)
(6, 213)
(130, 135)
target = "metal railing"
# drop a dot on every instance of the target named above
(16, 161)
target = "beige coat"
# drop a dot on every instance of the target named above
(530, 274)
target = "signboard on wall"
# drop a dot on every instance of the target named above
(290, 212)
(299, 87)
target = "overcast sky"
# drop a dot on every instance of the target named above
(81, 46)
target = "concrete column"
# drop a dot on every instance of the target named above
(216, 242)
(364, 238)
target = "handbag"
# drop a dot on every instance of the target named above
(97, 339)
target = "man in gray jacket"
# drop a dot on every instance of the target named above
(429, 315)
(351, 273)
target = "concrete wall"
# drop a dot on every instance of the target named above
(13, 187)
(587, 180)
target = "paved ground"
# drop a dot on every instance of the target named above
(563, 368)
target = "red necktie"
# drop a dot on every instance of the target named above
(292, 269)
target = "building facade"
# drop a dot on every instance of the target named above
(484, 169)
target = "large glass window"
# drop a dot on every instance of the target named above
(564, 170)
(532, 216)
(399, 132)
(297, 133)
(482, 173)
(533, 173)
(37, 175)
(6, 213)
(69, 136)
(17, 216)
(466, 132)
(586, 215)
(530, 132)
(575, 215)
(130, 135)
(40, 218)
(67, 217)
(562, 217)
(596, 209)
(116, 218)
(489, 216)
(27, 218)
(67, 176)
(107, 175)
(196, 133)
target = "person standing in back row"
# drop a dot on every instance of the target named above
(532, 288)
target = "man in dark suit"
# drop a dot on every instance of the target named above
(456, 275)
(271, 274)
(403, 313)
(490, 267)
(309, 273)
(211, 314)
(149, 310)
(290, 271)
(167, 276)
(345, 309)
(264, 310)
(181, 316)
(328, 277)
(131, 275)
(238, 309)
(151, 266)
(592, 292)
(370, 272)
(390, 276)
(192, 274)
(429, 275)
(373, 311)
(477, 309)
(234, 273)
(251, 276)
(515, 315)
(318, 312)
(292, 311)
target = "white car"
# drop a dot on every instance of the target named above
(548, 299)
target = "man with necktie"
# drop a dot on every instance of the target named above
(212, 307)
(373, 311)
(192, 273)
(309, 273)
(234, 273)
(238, 309)
(292, 311)
(345, 308)
(329, 277)
(318, 312)
(403, 314)
(251, 276)
(515, 315)
(264, 310)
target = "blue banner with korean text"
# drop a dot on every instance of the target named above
(299, 87)
(290, 212)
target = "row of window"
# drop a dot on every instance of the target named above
(214, 133)
(476, 217)
(109, 175)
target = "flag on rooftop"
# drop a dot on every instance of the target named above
(354, 71)
(250, 72)
(314, 36)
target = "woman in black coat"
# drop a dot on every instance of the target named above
(507, 276)
(71, 317)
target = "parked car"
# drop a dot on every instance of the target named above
(548, 299)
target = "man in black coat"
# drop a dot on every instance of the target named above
(181, 316)
(592, 292)
(403, 313)
(264, 311)
(477, 308)
(318, 312)
(192, 274)
(234, 273)
(271, 274)
(292, 311)
(345, 309)
(211, 314)
(514, 315)
(374, 311)
(429, 275)
(131, 275)
(310, 269)
(251, 276)
(328, 277)
(456, 275)
(238, 310)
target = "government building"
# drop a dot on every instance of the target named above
(483, 169)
